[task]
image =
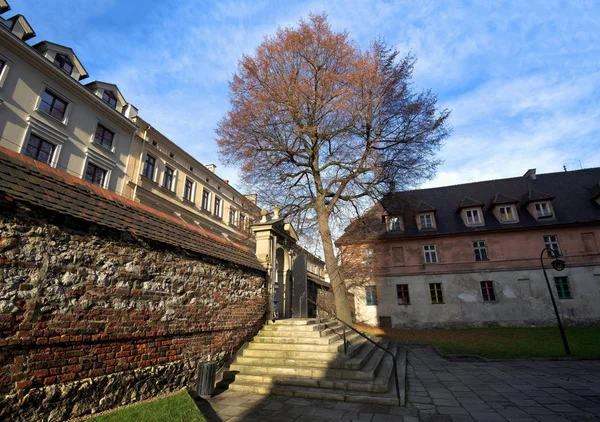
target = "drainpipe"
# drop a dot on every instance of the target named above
(137, 175)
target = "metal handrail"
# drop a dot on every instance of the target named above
(363, 336)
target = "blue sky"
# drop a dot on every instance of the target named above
(522, 78)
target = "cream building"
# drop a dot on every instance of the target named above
(162, 175)
(47, 113)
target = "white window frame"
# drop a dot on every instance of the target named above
(106, 174)
(47, 133)
(475, 216)
(99, 160)
(430, 254)
(4, 71)
(550, 241)
(221, 206)
(544, 210)
(394, 224)
(235, 216)
(193, 191)
(115, 137)
(512, 212)
(154, 169)
(478, 246)
(173, 186)
(69, 101)
(423, 218)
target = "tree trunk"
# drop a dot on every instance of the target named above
(336, 276)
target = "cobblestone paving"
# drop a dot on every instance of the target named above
(441, 390)
(548, 391)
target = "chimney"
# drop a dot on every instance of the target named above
(392, 186)
(211, 167)
(530, 173)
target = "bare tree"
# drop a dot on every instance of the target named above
(319, 125)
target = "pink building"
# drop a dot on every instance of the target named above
(469, 255)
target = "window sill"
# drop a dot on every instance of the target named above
(103, 148)
(545, 217)
(147, 179)
(62, 122)
(188, 202)
(166, 190)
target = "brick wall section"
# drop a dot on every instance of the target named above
(91, 317)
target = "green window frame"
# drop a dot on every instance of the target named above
(563, 287)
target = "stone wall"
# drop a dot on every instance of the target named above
(92, 318)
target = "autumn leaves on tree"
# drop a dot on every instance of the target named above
(319, 125)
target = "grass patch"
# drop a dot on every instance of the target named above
(176, 408)
(501, 343)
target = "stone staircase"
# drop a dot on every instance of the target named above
(292, 357)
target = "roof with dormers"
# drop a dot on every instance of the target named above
(533, 195)
(469, 202)
(572, 195)
(500, 199)
(44, 46)
(36, 183)
(108, 87)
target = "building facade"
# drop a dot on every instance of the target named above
(162, 175)
(89, 130)
(47, 113)
(469, 255)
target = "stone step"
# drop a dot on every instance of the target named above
(307, 389)
(290, 354)
(271, 381)
(338, 346)
(324, 393)
(287, 362)
(298, 371)
(293, 321)
(332, 338)
(296, 328)
(304, 333)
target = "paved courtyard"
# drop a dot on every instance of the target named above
(442, 390)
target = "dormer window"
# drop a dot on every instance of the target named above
(473, 217)
(507, 214)
(394, 224)
(426, 221)
(542, 210)
(63, 63)
(109, 98)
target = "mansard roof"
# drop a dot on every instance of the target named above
(500, 199)
(469, 202)
(108, 87)
(572, 194)
(10, 23)
(44, 46)
(4, 6)
(595, 191)
(533, 195)
(423, 206)
(33, 182)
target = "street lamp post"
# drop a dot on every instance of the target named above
(558, 265)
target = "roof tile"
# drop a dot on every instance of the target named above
(31, 181)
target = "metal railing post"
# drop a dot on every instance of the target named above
(345, 345)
